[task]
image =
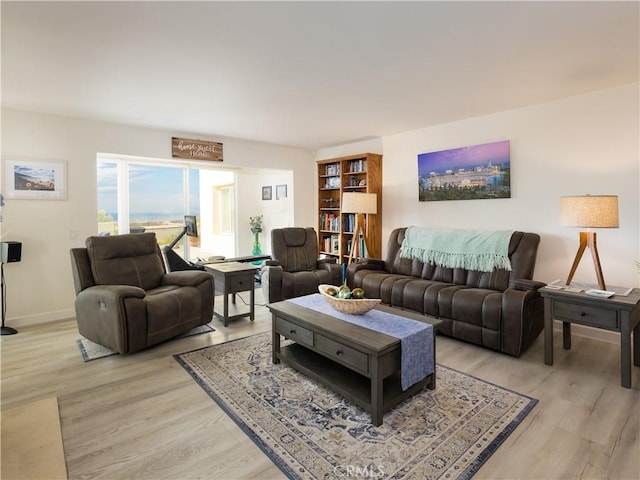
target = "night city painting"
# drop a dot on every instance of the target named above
(467, 173)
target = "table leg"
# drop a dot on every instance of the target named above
(625, 350)
(432, 383)
(275, 341)
(636, 345)
(225, 310)
(252, 301)
(566, 335)
(548, 332)
(377, 401)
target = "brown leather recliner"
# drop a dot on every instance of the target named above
(296, 269)
(125, 299)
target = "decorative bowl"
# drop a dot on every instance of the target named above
(352, 306)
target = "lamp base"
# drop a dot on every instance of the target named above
(8, 331)
(355, 242)
(588, 240)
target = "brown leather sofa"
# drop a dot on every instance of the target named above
(501, 310)
(126, 301)
(296, 269)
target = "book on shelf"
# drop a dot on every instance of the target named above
(330, 221)
(332, 169)
(349, 222)
(335, 244)
(356, 166)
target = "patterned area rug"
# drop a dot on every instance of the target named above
(93, 351)
(312, 433)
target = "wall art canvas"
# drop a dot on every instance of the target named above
(467, 173)
(35, 179)
(266, 193)
(281, 191)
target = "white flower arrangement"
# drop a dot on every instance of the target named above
(256, 224)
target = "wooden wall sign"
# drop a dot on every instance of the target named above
(196, 149)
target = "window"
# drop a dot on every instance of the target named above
(141, 195)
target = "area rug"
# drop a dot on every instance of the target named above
(311, 433)
(32, 447)
(93, 351)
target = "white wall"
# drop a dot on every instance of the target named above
(275, 213)
(584, 144)
(40, 287)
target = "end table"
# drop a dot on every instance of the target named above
(231, 278)
(620, 313)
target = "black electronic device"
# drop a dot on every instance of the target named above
(191, 225)
(11, 252)
(174, 261)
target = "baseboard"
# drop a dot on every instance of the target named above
(589, 332)
(17, 322)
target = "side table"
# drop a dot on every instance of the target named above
(620, 313)
(231, 278)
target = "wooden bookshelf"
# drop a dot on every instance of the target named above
(355, 173)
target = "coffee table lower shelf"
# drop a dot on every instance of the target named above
(351, 385)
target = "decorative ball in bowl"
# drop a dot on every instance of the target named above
(348, 303)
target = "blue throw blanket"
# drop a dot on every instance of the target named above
(480, 250)
(416, 338)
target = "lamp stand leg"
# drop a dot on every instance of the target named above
(588, 240)
(355, 242)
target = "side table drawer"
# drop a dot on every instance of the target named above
(342, 354)
(587, 315)
(239, 283)
(295, 332)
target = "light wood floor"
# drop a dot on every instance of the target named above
(141, 416)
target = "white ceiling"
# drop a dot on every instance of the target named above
(309, 74)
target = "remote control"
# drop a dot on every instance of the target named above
(599, 293)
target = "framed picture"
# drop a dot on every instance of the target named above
(266, 193)
(32, 179)
(467, 173)
(281, 191)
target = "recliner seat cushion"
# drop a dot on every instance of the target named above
(130, 259)
(169, 308)
(303, 283)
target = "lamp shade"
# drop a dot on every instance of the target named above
(591, 211)
(359, 203)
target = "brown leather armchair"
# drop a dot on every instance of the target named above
(296, 269)
(126, 301)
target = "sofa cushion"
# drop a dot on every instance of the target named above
(130, 259)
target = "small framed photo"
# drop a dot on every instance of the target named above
(281, 191)
(31, 179)
(266, 193)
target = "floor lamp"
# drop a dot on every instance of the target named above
(361, 204)
(590, 211)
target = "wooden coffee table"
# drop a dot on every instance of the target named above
(360, 364)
